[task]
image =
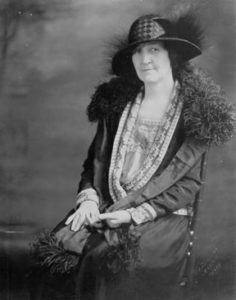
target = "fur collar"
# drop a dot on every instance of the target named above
(207, 116)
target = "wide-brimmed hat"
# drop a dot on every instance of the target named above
(184, 35)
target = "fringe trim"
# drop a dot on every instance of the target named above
(49, 254)
(123, 255)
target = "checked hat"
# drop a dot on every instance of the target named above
(183, 35)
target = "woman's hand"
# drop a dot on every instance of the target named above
(116, 218)
(87, 213)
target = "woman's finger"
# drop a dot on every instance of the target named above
(69, 220)
(78, 222)
(93, 218)
(75, 220)
(107, 216)
(89, 218)
(78, 225)
(112, 224)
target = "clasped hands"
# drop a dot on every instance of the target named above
(88, 214)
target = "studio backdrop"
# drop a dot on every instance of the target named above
(53, 54)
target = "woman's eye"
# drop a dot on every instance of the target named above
(154, 49)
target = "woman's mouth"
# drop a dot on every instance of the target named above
(146, 70)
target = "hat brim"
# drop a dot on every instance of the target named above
(122, 61)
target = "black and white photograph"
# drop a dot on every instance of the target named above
(117, 150)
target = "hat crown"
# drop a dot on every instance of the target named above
(144, 29)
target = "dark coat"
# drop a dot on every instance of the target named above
(206, 119)
(163, 244)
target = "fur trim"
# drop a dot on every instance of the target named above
(123, 253)
(207, 116)
(111, 98)
(49, 254)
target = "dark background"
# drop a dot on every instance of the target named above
(53, 54)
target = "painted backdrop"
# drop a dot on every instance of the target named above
(53, 54)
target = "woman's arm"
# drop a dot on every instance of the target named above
(86, 190)
(95, 157)
(86, 181)
(87, 200)
(179, 195)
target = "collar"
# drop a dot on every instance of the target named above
(207, 115)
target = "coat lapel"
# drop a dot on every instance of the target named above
(207, 116)
(188, 154)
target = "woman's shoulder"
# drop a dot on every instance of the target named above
(208, 115)
(111, 97)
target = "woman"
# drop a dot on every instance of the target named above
(156, 119)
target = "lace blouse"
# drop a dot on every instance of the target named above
(139, 145)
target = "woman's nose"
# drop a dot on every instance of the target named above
(145, 58)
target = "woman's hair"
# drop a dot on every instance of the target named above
(176, 61)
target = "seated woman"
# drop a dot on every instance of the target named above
(155, 119)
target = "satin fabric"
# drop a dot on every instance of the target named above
(163, 247)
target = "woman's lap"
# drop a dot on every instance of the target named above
(164, 242)
(163, 245)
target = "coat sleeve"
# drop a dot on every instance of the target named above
(86, 180)
(180, 195)
(86, 190)
(94, 167)
(87, 175)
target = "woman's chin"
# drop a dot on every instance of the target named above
(149, 79)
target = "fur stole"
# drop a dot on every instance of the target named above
(207, 116)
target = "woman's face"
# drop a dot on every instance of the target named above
(151, 62)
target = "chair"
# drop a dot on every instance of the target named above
(186, 281)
